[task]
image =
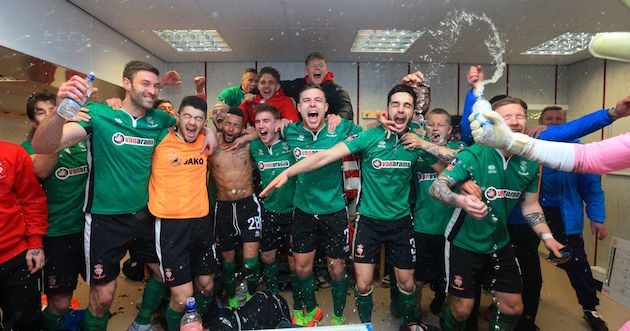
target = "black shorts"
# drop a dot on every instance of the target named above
(276, 230)
(331, 229)
(20, 295)
(186, 249)
(430, 263)
(65, 260)
(370, 233)
(107, 239)
(237, 221)
(468, 270)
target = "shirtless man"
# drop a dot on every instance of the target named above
(237, 211)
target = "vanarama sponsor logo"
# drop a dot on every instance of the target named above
(63, 172)
(272, 165)
(300, 153)
(426, 176)
(120, 139)
(492, 193)
(402, 164)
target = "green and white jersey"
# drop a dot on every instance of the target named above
(413, 125)
(386, 171)
(502, 183)
(430, 216)
(119, 155)
(319, 191)
(270, 162)
(65, 190)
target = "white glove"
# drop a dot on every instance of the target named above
(499, 135)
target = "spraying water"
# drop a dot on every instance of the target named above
(448, 33)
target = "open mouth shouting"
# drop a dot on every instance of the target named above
(400, 120)
(436, 137)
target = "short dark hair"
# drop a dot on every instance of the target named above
(311, 86)
(236, 111)
(134, 66)
(550, 108)
(265, 107)
(507, 100)
(195, 102)
(439, 111)
(161, 101)
(34, 99)
(313, 56)
(249, 70)
(500, 97)
(402, 88)
(268, 70)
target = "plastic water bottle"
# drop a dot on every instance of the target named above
(241, 293)
(482, 105)
(68, 108)
(191, 321)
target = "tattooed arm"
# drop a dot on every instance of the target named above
(441, 190)
(535, 218)
(443, 153)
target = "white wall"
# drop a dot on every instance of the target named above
(59, 32)
(585, 94)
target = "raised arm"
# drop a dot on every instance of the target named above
(310, 163)
(598, 157)
(44, 164)
(445, 154)
(54, 134)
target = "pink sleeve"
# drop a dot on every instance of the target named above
(603, 156)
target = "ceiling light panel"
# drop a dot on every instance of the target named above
(194, 40)
(565, 44)
(384, 41)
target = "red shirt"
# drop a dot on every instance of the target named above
(23, 211)
(279, 100)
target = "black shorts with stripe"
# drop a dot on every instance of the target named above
(65, 260)
(237, 222)
(331, 229)
(400, 247)
(186, 249)
(109, 237)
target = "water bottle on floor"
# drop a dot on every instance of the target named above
(241, 293)
(191, 321)
(68, 108)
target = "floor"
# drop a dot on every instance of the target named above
(558, 310)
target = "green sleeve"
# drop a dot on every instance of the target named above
(534, 184)
(163, 134)
(457, 168)
(224, 94)
(28, 147)
(359, 142)
(165, 117)
(94, 110)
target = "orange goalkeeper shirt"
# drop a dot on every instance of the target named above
(177, 188)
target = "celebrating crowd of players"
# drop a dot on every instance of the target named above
(131, 178)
